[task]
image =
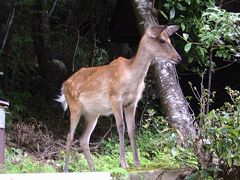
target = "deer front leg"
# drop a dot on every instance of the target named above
(130, 120)
(118, 114)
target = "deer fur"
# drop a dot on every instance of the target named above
(115, 89)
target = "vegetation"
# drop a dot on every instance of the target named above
(157, 150)
(18, 161)
(158, 146)
(217, 31)
(220, 132)
(217, 38)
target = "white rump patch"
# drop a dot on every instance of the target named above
(62, 100)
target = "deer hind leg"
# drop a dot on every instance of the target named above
(118, 114)
(74, 119)
(90, 124)
(130, 121)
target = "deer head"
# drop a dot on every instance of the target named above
(158, 43)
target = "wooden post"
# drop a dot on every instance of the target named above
(3, 105)
(2, 146)
(2, 135)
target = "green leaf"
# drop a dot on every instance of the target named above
(188, 1)
(198, 1)
(181, 7)
(234, 132)
(183, 26)
(174, 151)
(172, 13)
(190, 60)
(163, 14)
(202, 51)
(187, 47)
(204, 38)
(229, 161)
(185, 36)
(167, 5)
(238, 141)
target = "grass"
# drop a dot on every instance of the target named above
(17, 161)
(156, 152)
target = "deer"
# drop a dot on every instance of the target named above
(115, 89)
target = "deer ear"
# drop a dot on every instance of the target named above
(171, 29)
(155, 31)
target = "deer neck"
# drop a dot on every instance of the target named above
(141, 63)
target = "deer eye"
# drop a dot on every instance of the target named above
(161, 41)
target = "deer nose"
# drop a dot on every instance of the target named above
(179, 58)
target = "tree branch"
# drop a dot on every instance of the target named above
(53, 7)
(75, 51)
(8, 25)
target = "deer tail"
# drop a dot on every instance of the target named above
(61, 98)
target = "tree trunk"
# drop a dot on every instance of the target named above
(52, 71)
(8, 25)
(169, 90)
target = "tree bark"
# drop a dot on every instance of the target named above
(8, 25)
(169, 90)
(52, 71)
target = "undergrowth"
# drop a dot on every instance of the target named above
(18, 161)
(157, 151)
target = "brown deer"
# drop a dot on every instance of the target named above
(114, 88)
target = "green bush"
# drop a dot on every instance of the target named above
(222, 130)
(18, 101)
